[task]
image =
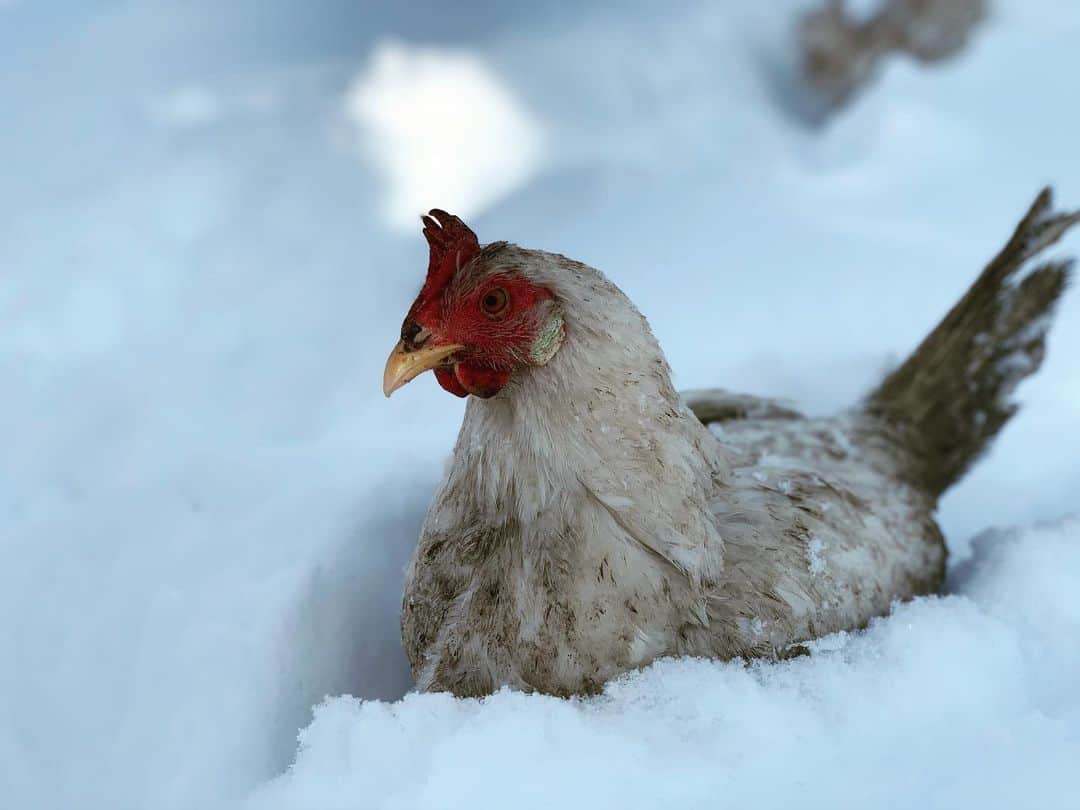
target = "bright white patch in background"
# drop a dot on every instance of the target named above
(443, 129)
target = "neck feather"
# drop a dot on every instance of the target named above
(600, 418)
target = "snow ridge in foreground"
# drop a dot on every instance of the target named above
(962, 700)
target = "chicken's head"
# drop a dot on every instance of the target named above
(479, 318)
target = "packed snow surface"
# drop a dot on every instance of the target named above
(206, 502)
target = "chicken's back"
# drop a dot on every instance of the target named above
(819, 533)
(826, 522)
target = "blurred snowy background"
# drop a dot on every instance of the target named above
(208, 239)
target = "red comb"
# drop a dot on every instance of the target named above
(453, 245)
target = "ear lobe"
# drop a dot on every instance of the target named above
(550, 337)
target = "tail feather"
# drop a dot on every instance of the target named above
(953, 395)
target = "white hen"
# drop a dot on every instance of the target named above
(590, 522)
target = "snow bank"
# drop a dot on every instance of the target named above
(967, 700)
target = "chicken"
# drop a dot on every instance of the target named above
(590, 522)
(842, 50)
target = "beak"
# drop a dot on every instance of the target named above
(403, 366)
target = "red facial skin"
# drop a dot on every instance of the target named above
(497, 322)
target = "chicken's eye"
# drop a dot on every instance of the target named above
(495, 302)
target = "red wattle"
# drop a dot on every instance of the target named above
(480, 381)
(449, 382)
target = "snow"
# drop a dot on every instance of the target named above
(188, 106)
(206, 502)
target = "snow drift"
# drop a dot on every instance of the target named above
(966, 700)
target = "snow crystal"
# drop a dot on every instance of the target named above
(814, 556)
(1016, 366)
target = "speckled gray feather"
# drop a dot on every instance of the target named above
(589, 522)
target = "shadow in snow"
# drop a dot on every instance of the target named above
(343, 635)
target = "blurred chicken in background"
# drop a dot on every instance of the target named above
(841, 52)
